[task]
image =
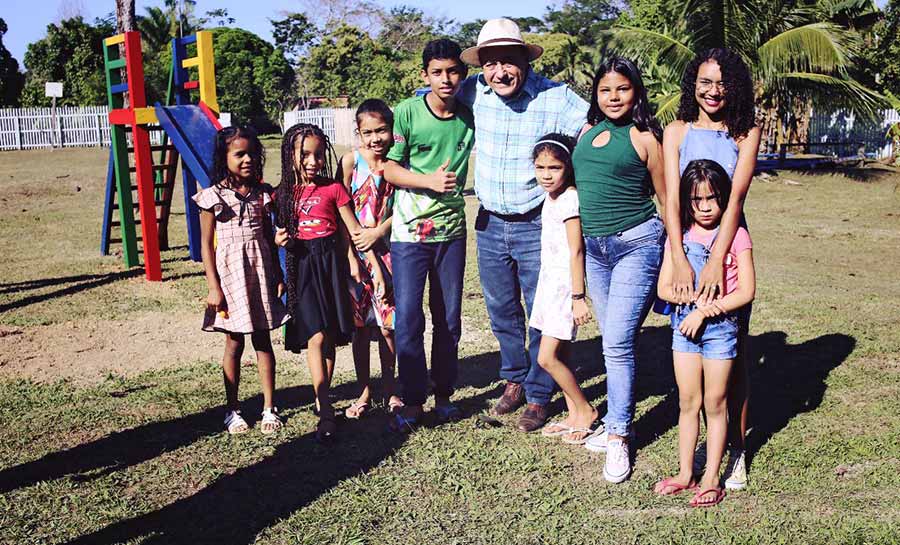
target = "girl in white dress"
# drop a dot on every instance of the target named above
(559, 302)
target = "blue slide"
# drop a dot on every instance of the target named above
(192, 130)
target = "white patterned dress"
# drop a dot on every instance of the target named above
(551, 312)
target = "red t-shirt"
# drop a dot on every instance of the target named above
(317, 208)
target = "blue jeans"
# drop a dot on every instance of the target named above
(443, 263)
(622, 270)
(509, 261)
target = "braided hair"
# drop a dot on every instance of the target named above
(290, 188)
(740, 111)
(220, 155)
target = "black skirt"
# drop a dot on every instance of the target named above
(322, 299)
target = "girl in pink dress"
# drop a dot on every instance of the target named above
(242, 268)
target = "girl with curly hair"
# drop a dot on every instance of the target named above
(715, 121)
(309, 202)
(242, 270)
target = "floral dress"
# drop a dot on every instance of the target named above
(372, 200)
(551, 312)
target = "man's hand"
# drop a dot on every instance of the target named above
(442, 181)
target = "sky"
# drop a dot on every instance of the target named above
(28, 24)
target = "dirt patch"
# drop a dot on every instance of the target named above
(86, 352)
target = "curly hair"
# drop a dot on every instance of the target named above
(560, 146)
(740, 111)
(224, 138)
(286, 193)
(641, 113)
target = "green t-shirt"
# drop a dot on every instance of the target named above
(424, 141)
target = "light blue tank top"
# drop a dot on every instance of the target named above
(708, 144)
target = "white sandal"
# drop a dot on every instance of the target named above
(556, 429)
(234, 423)
(270, 422)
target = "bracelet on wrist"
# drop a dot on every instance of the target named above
(578, 297)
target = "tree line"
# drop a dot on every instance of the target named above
(827, 53)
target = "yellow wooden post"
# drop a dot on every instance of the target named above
(206, 68)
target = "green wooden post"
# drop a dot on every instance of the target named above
(120, 162)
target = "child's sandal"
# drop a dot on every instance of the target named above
(234, 423)
(270, 422)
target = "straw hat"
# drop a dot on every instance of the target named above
(497, 32)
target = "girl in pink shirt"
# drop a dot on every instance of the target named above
(705, 337)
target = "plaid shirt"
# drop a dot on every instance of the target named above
(505, 133)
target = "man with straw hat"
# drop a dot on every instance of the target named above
(513, 108)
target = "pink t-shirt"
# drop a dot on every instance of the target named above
(741, 242)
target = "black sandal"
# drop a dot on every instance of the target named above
(326, 429)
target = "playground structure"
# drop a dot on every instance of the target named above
(188, 131)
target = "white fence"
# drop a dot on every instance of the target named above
(845, 127)
(337, 123)
(29, 128)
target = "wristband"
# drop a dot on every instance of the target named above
(578, 297)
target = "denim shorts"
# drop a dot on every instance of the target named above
(718, 337)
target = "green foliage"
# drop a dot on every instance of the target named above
(11, 80)
(582, 18)
(71, 52)
(798, 54)
(253, 79)
(293, 35)
(563, 60)
(349, 62)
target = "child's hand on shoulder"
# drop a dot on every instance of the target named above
(443, 181)
(692, 323)
(581, 312)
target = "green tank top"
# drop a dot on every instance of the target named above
(614, 187)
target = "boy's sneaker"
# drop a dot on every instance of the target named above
(699, 465)
(618, 462)
(736, 470)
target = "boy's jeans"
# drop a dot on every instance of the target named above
(509, 261)
(622, 270)
(443, 263)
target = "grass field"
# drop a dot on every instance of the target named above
(98, 446)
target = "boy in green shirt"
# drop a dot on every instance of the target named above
(433, 135)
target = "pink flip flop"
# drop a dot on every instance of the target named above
(720, 495)
(672, 487)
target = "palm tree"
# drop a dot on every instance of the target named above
(798, 54)
(155, 27)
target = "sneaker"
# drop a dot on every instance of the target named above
(618, 462)
(736, 470)
(699, 459)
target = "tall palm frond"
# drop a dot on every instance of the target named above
(650, 46)
(154, 26)
(816, 47)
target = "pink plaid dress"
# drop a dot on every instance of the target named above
(245, 261)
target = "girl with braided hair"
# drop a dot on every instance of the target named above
(309, 201)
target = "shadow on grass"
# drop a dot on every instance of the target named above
(81, 282)
(236, 507)
(787, 380)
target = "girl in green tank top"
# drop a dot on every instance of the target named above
(618, 160)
